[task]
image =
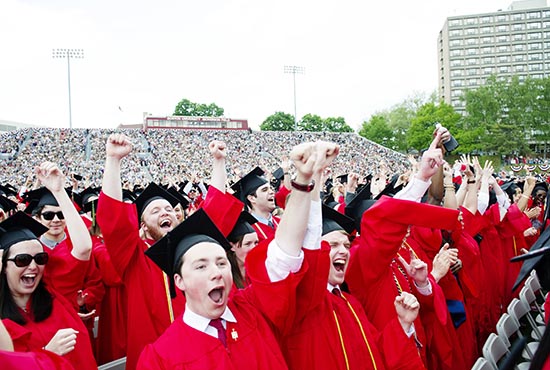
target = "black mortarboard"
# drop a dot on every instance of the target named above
(151, 193)
(343, 178)
(128, 196)
(77, 177)
(18, 228)
(42, 196)
(6, 204)
(243, 226)
(182, 199)
(390, 190)
(138, 189)
(84, 197)
(359, 204)
(167, 251)
(534, 258)
(249, 183)
(8, 190)
(279, 173)
(335, 221)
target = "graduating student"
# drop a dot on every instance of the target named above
(243, 239)
(218, 332)
(151, 301)
(37, 317)
(331, 330)
(383, 229)
(258, 196)
(67, 239)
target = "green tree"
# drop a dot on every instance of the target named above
(422, 126)
(336, 124)
(378, 130)
(279, 121)
(311, 122)
(187, 108)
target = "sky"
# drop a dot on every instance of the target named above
(360, 57)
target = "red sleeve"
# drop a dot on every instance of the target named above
(93, 285)
(120, 227)
(281, 195)
(276, 301)
(40, 359)
(222, 208)
(398, 350)
(108, 273)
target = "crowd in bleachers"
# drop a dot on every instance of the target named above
(180, 155)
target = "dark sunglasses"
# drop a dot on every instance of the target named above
(23, 260)
(49, 215)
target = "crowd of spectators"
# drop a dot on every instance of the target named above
(163, 155)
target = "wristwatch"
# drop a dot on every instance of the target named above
(301, 187)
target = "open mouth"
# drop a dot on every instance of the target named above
(28, 279)
(216, 295)
(165, 224)
(339, 264)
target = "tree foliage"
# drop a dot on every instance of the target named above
(279, 121)
(378, 130)
(187, 108)
(336, 124)
(311, 122)
(419, 135)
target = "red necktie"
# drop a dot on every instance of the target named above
(218, 325)
(337, 292)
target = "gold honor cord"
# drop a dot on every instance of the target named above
(258, 228)
(515, 246)
(362, 332)
(166, 291)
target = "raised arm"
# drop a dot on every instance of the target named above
(219, 175)
(118, 146)
(53, 179)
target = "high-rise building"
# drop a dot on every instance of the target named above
(504, 43)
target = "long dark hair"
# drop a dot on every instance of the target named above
(41, 300)
(238, 278)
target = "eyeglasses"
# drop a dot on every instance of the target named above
(49, 215)
(23, 260)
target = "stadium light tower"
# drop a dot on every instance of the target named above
(68, 54)
(293, 70)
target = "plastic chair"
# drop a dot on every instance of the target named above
(527, 296)
(517, 310)
(494, 349)
(119, 364)
(482, 364)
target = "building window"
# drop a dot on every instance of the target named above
(533, 15)
(547, 35)
(487, 70)
(518, 26)
(472, 71)
(545, 24)
(471, 61)
(471, 41)
(456, 73)
(535, 67)
(519, 47)
(455, 43)
(537, 75)
(455, 63)
(533, 26)
(520, 68)
(455, 53)
(517, 16)
(472, 81)
(503, 59)
(519, 58)
(486, 29)
(486, 40)
(486, 19)
(518, 37)
(455, 22)
(502, 18)
(546, 14)
(503, 49)
(487, 60)
(502, 28)
(471, 31)
(502, 39)
(486, 50)
(536, 56)
(503, 69)
(535, 46)
(534, 36)
(456, 83)
(455, 33)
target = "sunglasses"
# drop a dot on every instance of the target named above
(23, 260)
(49, 215)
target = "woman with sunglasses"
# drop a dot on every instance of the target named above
(37, 317)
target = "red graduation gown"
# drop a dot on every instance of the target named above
(149, 310)
(112, 313)
(43, 360)
(265, 232)
(383, 227)
(64, 273)
(259, 309)
(315, 340)
(33, 336)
